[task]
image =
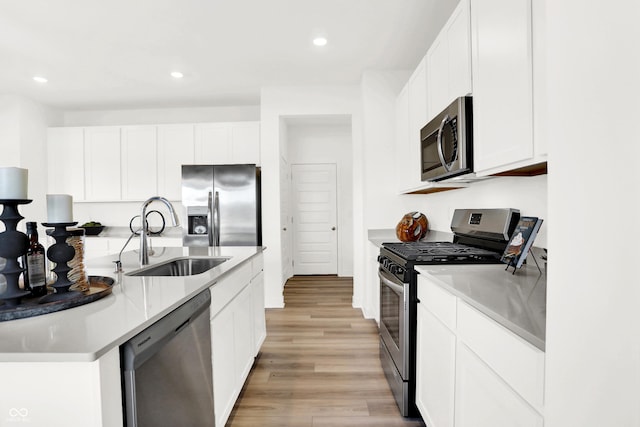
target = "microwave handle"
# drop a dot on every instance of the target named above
(439, 141)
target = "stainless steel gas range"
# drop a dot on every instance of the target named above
(480, 237)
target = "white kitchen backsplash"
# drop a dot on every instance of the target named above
(528, 194)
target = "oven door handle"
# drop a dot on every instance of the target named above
(387, 282)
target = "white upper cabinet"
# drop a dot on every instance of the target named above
(449, 61)
(502, 84)
(175, 148)
(65, 162)
(404, 148)
(227, 143)
(139, 162)
(102, 163)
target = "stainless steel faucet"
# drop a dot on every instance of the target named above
(144, 245)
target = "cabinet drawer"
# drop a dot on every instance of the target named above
(225, 289)
(438, 301)
(520, 364)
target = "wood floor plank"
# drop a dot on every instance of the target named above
(319, 365)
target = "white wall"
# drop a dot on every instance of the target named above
(283, 102)
(593, 320)
(162, 116)
(329, 143)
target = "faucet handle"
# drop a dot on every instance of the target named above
(118, 264)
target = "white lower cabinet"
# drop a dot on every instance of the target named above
(471, 371)
(483, 399)
(238, 329)
(436, 352)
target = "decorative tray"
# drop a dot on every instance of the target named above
(99, 286)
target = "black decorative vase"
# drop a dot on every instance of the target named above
(60, 253)
(13, 245)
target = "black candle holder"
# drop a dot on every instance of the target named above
(60, 253)
(13, 245)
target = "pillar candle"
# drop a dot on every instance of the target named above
(13, 183)
(59, 208)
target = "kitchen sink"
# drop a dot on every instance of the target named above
(187, 266)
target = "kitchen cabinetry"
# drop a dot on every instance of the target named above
(502, 58)
(102, 163)
(133, 163)
(237, 321)
(449, 61)
(483, 399)
(138, 162)
(227, 143)
(175, 148)
(471, 371)
(436, 355)
(65, 162)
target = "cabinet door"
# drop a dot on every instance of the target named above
(438, 74)
(403, 151)
(459, 43)
(435, 370)
(139, 163)
(102, 163)
(484, 400)
(175, 148)
(65, 162)
(259, 320)
(224, 373)
(502, 82)
(213, 144)
(245, 142)
(243, 331)
(417, 119)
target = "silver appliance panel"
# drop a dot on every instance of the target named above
(222, 204)
(446, 142)
(493, 224)
(394, 320)
(399, 387)
(167, 369)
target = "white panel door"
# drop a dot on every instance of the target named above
(314, 219)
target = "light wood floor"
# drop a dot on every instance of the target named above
(319, 365)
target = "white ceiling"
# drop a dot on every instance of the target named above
(117, 54)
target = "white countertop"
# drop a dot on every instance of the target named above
(516, 301)
(83, 334)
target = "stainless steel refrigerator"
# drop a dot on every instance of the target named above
(222, 205)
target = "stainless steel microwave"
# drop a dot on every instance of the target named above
(446, 142)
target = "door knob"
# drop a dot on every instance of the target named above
(333, 229)
(284, 229)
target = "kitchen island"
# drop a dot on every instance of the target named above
(63, 368)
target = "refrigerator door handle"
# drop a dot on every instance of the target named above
(216, 211)
(210, 218)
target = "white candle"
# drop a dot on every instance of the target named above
(13, 183)
(59, 208)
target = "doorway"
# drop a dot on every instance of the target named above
(314, 208)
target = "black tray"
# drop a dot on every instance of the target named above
(99, 286)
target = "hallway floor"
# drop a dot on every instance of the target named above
(319, 364)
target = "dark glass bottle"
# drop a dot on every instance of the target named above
(35, 276)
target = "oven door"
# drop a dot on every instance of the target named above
(394, 320)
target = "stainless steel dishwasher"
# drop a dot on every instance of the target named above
(167, 372)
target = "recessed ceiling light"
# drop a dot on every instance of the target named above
(177, 75)
(320, 41)
(40, 79)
